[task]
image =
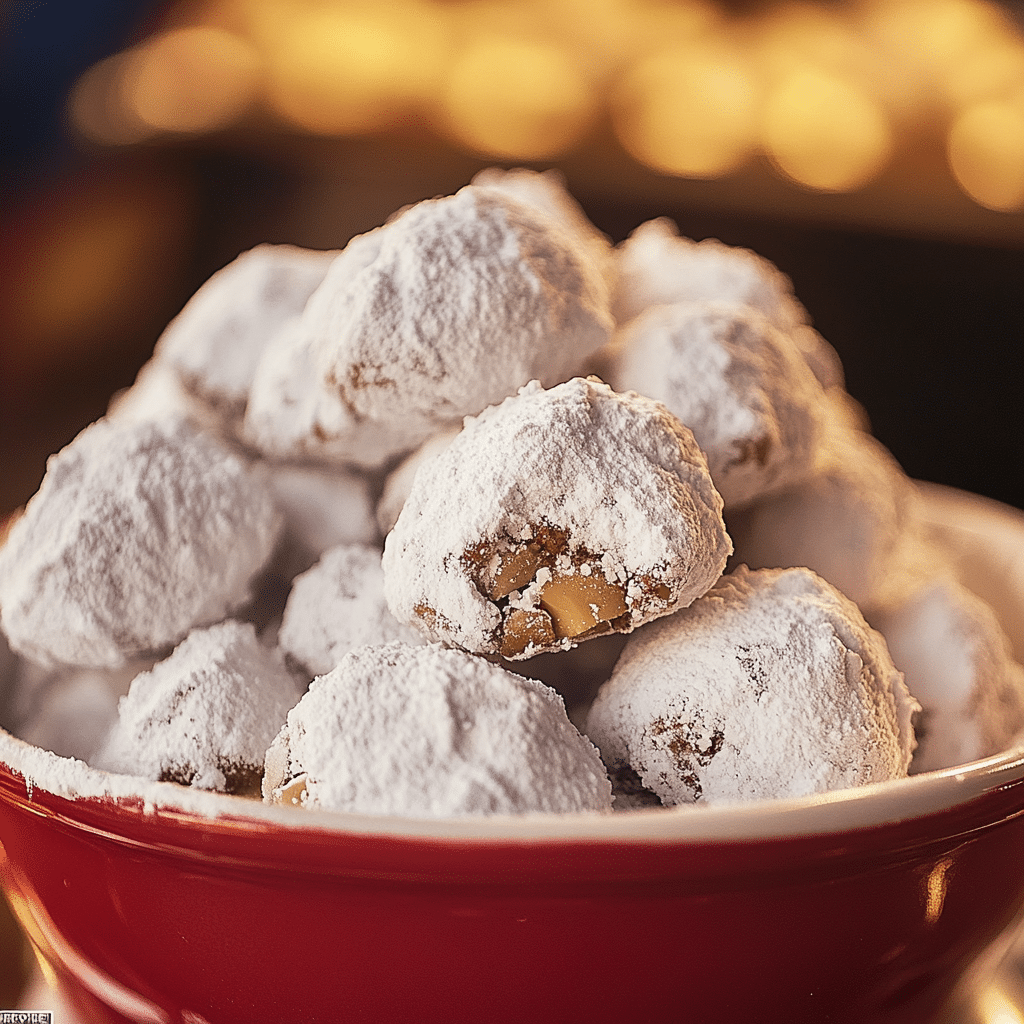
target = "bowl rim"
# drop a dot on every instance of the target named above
(43, 772)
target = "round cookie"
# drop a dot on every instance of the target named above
(558, 515)
(430, 732)
(957, 663)
(450, 306)
(139, 532)
(337, 605)
(204, 716)
(657, 266)
(217, 339)
(847, 521)
(771, 685)
(737, 382)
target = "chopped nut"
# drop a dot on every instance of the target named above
(578, 603)
(291, 794)
(523, 628)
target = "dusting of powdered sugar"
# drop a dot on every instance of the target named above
(546, 191)
(771, 685)
(337, 605)
(847, 520)
(206, 714)
(616, 481)
(139, 531)
(451, 306)
(958, 663)
(430, 732)
(657, 266)
(399, 481)
(737, 382)
(216, 341)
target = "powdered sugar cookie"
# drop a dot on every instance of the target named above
(546, 192)
(958, 664)
(449, 307)
(215, 342)
(771, 685)
(429, 732)
(846, 521)
(139, 532)
(205, 716)
(337, 605)
(656, 266)
(737, 382)
(556, 516)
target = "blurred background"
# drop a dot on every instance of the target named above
(873, 149)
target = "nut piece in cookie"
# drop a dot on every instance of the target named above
(554, 517)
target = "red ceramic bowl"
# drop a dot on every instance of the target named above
(863, 905)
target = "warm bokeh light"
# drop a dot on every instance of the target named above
(79, 265)
(97, 107)
(335, 71)
(191, 80)
(990, 72)
(805, 33)
(932, 45)
(824, 132)
(985, 149)
(518, 99)
(688, 110)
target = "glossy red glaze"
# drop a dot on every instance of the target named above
(165, 916)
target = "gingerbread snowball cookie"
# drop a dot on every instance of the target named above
(771, 685)
(553, 517)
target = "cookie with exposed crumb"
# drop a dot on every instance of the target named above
(554, 517)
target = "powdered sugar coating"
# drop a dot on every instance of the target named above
(613, 485)
(657, 266)
(204, 716)
(429, 732)
(958, 664)
(737, 382)
(139, 532)
(67, 710)
(847, 521)
(338, 605)
(546, 192)
(293, 415)
(215, 342)
(771, 685)
(322, 508)
(398, 484)
(449, 307)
